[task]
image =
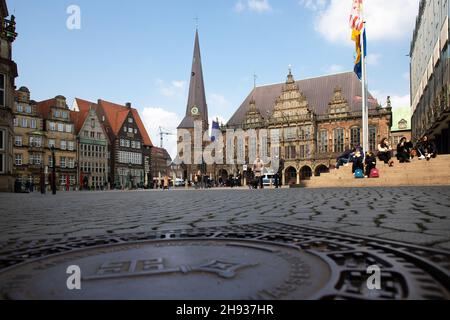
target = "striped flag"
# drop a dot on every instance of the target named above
(356, 19)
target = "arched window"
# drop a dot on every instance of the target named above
(338, 140)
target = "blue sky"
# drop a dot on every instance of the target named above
(140, 51)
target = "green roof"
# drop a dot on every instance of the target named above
(399, 114)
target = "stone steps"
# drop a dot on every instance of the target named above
(416, 173)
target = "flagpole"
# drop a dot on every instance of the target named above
(365, 109)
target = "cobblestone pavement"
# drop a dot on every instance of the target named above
(418, 215)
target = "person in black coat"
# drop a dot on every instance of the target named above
(403, 151)
(427, 149)
(358, 162)
(371, 163)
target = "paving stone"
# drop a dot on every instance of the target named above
(34, 216)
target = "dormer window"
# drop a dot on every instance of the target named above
(403, 124)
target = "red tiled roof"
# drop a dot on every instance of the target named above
(116, 116)
(44, 107)
(78, 118)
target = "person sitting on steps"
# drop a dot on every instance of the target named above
(371, 163)
(403, 151)
(385, 152)
(358, 162)
(426, 149)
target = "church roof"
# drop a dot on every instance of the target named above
(318, 92)
(197, 96)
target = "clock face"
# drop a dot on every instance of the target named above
(194, 110)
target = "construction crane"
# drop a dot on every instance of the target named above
(163, 133)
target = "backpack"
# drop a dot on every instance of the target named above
(374, 173)
(359, 174)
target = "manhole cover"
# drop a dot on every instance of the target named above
(176, 270)
(265, 261)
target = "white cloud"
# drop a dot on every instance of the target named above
(259, 6)
(154, 118)
(386, 19)
(373, 59)
(218, 101)
(239, 7)
(397, 100)
(313, 4)
(334, 68)
(175, 89)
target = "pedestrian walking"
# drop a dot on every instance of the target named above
(258, 168)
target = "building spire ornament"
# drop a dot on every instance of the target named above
(196, 108)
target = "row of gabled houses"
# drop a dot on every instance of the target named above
(93, 145)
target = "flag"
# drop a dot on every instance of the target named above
(356, 36)
(215, 131)
(356, 19)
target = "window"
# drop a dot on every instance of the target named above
(2, 148)
(36, 142)
(304, 151)
(63, 145)
(2, 99)
(290, 133)
(28, 109)
(127, 143)
(138, 145)
(130, 130)
(323, 141)
(338, 140)
(99, 136)
(92, 134)
(50, 161)
(71, 163)
(355, 137)
(18, 141)
(122, 142)
(33, 124)
(71, 146)
(65, 115)
(135, 131)
(16, 122)
(60, 127)
(291, 152)
(24, 123)
(68, 128)
(35, 159)
(133, 144)
(57, 114)
(125, 129)
(18, 159)
(52, 126)
(130, 157)
(52, 143)
(19, 108)
(130, 120)
(62, 162)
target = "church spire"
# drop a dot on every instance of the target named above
(197, 108)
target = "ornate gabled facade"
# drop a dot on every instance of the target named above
(317, 119)
(30, 141)
(130, 145)
(93, 147)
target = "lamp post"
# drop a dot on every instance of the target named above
(53, 171)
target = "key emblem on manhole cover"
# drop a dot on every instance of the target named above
(174, 269)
